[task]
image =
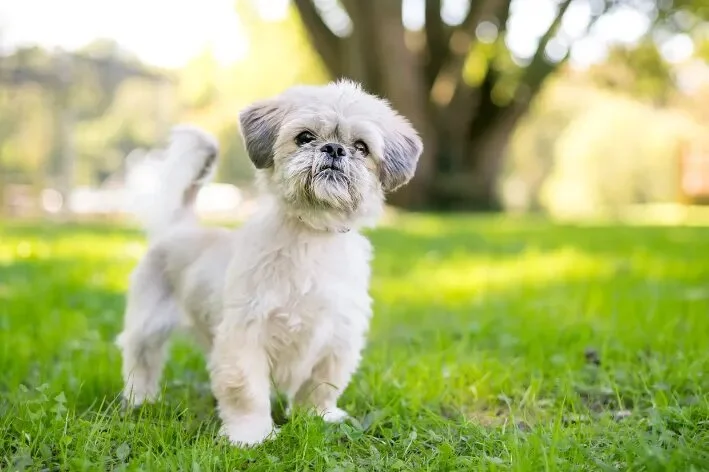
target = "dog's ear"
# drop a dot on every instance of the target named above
(259, 124)
(402, 149)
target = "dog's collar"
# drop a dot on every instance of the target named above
(341, 229)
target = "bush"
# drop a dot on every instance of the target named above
(587, 153)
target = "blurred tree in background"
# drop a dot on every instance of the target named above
(501, 127)
(460, 84)
(60, 100)
(112, 113)
(597, 141)
(639, 71)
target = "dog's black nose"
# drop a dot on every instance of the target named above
(333, 150)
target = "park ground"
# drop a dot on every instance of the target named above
(497, 344)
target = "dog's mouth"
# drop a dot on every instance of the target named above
(331, 175)
(329, 169)
(329, 186)
(328, 166)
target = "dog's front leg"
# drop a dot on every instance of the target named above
(330, 377)
(239, 372)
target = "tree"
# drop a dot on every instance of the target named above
(638, 71)
(457, 81)
(67, 93)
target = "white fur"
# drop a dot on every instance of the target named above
(281, 303)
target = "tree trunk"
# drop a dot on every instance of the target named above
(464, 132)
(472, 186)
(380, 59)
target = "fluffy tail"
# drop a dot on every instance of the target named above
(164, 185)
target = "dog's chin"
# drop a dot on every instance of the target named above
(329, 199)
(330, 173)
(331, 189)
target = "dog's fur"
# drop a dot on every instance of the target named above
(284, 299)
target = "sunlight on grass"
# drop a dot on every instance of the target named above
(497, 344)
(112, 255)
(432, 280)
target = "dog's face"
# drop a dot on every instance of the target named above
(333, 149)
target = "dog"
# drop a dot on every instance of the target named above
(282, 303)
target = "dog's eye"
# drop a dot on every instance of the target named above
(361, 147)
(304, 138)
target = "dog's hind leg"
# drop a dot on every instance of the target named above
(151, 316)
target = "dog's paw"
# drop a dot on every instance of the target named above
(251, 433)
(136, 400)
(334, 415)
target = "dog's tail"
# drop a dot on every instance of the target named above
(164, 187)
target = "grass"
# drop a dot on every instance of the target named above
(497, 344)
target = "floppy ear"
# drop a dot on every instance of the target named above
(402, 149)
(259, 126)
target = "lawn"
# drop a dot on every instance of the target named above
(497, 344)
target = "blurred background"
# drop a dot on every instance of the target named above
(568, 108)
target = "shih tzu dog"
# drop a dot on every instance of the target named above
(280, 304)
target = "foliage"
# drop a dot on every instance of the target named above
(638, 71)
(531, 153)
(111, 113)
(114, 117)
(25, 134)
(583, 151)
(484, 93)
(618, 153)
(497, 344)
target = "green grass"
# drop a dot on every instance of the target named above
(497, 344)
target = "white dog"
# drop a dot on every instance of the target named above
(283, 300)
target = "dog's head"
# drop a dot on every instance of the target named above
(330, 152)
